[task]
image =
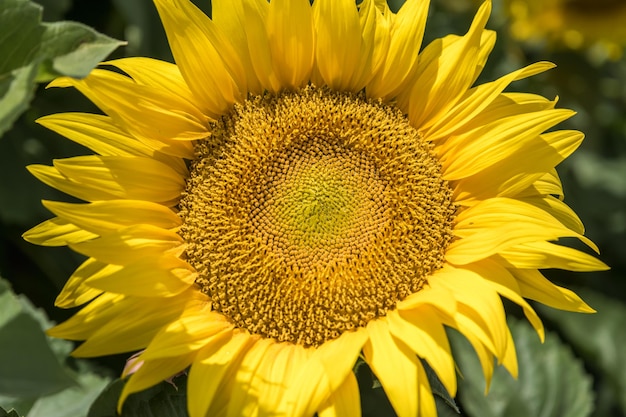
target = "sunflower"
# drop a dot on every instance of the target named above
(574, 24)
(304, 188)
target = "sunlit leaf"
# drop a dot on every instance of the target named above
(32, 50)
(551, 383)
(599, 337)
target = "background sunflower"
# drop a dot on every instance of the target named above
(578, 372)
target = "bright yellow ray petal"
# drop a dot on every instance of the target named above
(205, 57)
(469, 153)
(228, 15)
(324, 372)
(509, 361)
(92, 317)
(345, 402)
(244, 394)
(512, 176)
(396, 366)
(134, 329)
(401, 58)
(439, 85)
(478, 302)
(162, 276)
(144, 111)
(134, 178)
(53, 178)
(535, 286)
(214, 363)
(101, 135)
(477, 99)
(422, 331)
(338, 41)
(505, 284)
(75, 292)
(557, 208)
(536, 255)
(188, 334)
(255, 16)
(290, 35)
(57, 232)
(499, 223)
(276, 374)
(103, 217)
(157, 73)
(375, 33)
(130, 244)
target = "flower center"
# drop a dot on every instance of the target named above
(309, 213)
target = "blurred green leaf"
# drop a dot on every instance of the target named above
(162, 400)
(551, 383)
(10, 413)
(28, 366)
(32, 50)
(599, 337)
(74, 402)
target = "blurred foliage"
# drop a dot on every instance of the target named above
(582, 352)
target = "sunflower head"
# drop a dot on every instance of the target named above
(307, 185)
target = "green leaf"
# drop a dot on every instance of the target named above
(32, 50)
(601, 340)
(73, 401)
(28, 366)
(551, 383)
(10, 413)
(162, 400)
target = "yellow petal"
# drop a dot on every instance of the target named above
(478, 303)
(214, 363)
(103, 217)
(477, 99)
(324, 372)
(75, 292)
(515, 176)
(402, 54)
(102, 136)
(535, 286)
(162, 276)
(443, 80)
(150, 114)
(395, 366)
(53, 178)
(205, 57)
(505, 284)
(469, 153)
(500, 223)
(189, 334)
(291, 38)
(57, 232)
(345, 402)
(133, 178)
(244, 398)
(338, 42)
(132, 329)
(130, 244)
(422, 331)
(539, 255)
(229, 16)
(259, 48)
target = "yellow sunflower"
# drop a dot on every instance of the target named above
(575, 24)
(302, 188)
